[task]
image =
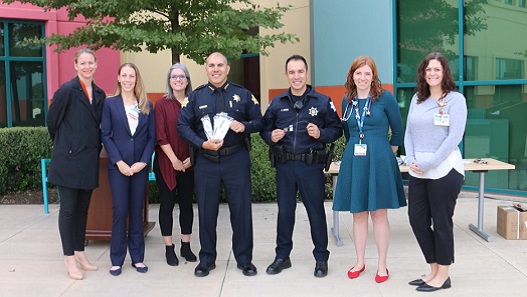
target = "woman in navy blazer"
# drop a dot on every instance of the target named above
(128, 135)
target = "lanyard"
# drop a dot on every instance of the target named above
(359, 118)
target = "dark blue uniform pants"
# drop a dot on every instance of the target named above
(291, 177)
(128, 196)
(235, 173)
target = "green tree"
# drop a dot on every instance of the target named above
(193, 28)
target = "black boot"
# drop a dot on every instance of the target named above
(186, 252)
(170, 254)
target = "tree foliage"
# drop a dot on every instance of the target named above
(193, 28)
(440, 18)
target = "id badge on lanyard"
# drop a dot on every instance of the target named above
(361, 149)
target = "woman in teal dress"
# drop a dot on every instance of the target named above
(369, 178)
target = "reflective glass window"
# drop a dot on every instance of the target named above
(496, 129)
(2, 46)
(20, 31)
(3, 96)
(424, 27)
(27, 107)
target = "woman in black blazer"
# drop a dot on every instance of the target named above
(128, 135)
(74, 118)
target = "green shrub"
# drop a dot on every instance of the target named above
(262, 175)
(21, 149)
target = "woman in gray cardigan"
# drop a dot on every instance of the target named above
(435, 127)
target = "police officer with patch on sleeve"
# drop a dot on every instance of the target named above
(224, 161)
(298, 125)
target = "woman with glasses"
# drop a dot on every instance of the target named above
(435, 127)
(172, 167)
(369, 178)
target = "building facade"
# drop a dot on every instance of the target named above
(484, 40)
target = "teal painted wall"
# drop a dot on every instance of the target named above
(342, 30)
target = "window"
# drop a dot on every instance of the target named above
(493, 78)
(508, 69)
(22, 79)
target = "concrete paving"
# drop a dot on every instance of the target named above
(31, 261)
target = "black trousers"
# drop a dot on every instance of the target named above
(431, 204)
(182, 194)
(73, 215)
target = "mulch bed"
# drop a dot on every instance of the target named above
(29, 197)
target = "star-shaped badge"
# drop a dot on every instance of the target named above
(236, 98)
(185, 102)
(313, 111)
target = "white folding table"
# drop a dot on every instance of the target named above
(483, 167)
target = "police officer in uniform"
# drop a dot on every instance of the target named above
(224, 161)
(298, 125)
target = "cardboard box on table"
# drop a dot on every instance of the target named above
(512, 222)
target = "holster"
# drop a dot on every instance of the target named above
(329, 157)
(192, 155)
(247, 142)
(278, 153)
(271, 157)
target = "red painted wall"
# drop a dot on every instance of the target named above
(59, 67)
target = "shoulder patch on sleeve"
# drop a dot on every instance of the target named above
(254, 100)
(332, 106)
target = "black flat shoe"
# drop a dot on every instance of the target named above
(248, 270)
(203, 269)
(116, 272)
(427, 288)
(140, 269)
(321, 268)
(417, 282)
(278, 265)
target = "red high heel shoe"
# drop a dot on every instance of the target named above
(380, 279)
(355, 274)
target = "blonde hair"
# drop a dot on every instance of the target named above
(139, 89)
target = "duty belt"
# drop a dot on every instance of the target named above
(224, 151)
(295, 157)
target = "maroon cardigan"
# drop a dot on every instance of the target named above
(166, 116)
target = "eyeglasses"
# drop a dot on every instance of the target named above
(176, 76)
(480, 161)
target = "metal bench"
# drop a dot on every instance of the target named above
(44, 170)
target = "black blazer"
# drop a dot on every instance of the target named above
(73, 124)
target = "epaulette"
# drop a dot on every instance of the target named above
(236, 85)
(200, 87)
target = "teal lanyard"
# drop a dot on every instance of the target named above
(360, 119)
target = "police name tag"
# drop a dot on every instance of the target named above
(441, 119)
(360, 149)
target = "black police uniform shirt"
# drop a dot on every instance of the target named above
(238, 102)
(317, 109)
